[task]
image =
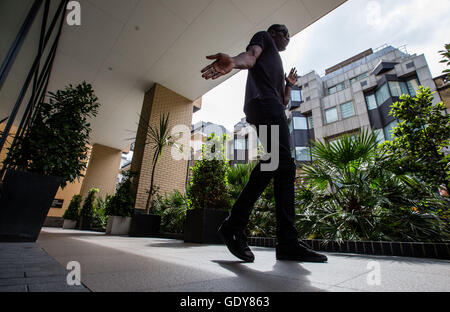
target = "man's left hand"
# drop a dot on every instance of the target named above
(292, 78)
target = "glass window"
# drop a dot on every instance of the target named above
(395, 88)
(240, 144)
(380, 135)
(300, 123)
(340, 86)
(331, 115)
(310, 122)
(296, 96)
(355, 79)
(413, 86)
(404, 87)
(291, 126)
(371, 102)
(388, 130)
(302, 153)
(347, 110)
(398, 88)
(382, 94)
(337, 88)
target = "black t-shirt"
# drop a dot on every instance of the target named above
(266, 78)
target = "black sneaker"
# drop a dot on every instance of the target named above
(298, 252)
(236, 242)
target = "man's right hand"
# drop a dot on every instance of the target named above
(223, 65)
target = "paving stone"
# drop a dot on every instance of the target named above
(15, 288)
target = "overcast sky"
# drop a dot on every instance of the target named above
(422, 25)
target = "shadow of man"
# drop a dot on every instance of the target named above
(286, 276)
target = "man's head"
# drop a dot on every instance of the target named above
(280, 35)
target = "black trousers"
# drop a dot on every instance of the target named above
(270, 113)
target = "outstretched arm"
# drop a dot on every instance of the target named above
(224, 64)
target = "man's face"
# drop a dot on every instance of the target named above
(281, 37)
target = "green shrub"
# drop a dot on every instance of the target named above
(209, 185)
(89, 204)
(122, 202)
(72, 212)
(351, 193)
(172, 209)
(100, 219)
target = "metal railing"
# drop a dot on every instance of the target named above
(38, 76)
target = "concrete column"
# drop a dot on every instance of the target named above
(102, 171)
(170, 174)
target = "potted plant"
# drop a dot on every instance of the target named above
(147, 223)
(87, 211)
(71, 215)
(207, 193)
(52, 152)
(119, 207)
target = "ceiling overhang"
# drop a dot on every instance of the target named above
(123, 47)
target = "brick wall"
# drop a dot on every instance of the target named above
(170, 174)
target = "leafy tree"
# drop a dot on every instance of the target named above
(446, 58)
(421, 138)
(56, 142)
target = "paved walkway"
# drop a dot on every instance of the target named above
(161, 265)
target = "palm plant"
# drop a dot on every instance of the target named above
(238, 176)
(159, 138)
(351, 193)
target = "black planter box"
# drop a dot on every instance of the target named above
(145, 225)
(202, 225)
(24, 204)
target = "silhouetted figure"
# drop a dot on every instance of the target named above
(267, 94)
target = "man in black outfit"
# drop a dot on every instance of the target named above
(267, 94)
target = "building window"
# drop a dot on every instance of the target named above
(300, 123)
(398, 88)
(347, 110)
(337, 88)
(240, 144)
(382, 94)
(388, 130)
(357, 78)
(413, 86)
(296, 96)
(310, 122)
(302, 153)
(331, 115)
(380, 135)
(371, 102)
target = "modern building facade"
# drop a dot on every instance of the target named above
(353, 95)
